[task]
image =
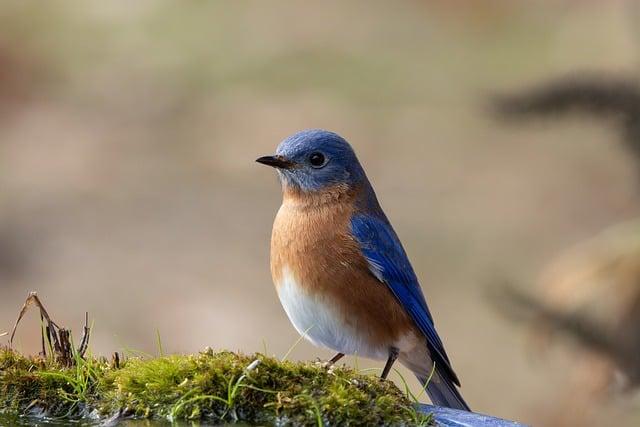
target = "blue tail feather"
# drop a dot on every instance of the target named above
(443, 392)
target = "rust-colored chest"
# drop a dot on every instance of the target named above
(312, 246)
(311, 239)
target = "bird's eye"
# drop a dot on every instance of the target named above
(317, 159)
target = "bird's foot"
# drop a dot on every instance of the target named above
(329, 363)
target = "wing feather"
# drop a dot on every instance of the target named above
(389, 263)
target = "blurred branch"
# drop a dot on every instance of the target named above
(598, 96)
(621, 346)
(586, 94)
(522, 307)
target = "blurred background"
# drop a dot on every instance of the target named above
(128, 188)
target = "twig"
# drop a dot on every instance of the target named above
(84, 342)
(59, 339)
(32, 299)
(44, 349)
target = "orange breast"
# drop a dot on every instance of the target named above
(312, 240)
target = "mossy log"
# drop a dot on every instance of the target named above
(214, 387)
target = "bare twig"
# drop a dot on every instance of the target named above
(115, 360)
(53, 335)
(84, 342)
(31, 299)
(44, 347)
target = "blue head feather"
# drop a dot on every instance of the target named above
(340, 165)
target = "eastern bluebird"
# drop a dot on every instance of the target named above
(340, 270)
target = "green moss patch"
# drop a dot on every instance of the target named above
(212, 386)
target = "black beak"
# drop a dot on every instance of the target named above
(279, 162)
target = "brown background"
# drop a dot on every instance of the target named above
(128, 132)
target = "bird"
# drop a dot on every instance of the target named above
(340, 270)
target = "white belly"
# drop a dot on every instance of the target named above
(319, 322)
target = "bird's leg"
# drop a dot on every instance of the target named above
(329, 363)
(393, 355)
(335, 358)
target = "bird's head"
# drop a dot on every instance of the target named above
(315, 159)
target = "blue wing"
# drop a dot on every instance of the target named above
(389, 263)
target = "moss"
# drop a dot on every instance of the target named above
(212, 386)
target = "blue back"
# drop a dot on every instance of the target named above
(389, 263)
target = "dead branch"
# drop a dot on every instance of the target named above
(58, 339)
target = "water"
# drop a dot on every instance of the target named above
(443, 416)
(11, 420)
(15, 421)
